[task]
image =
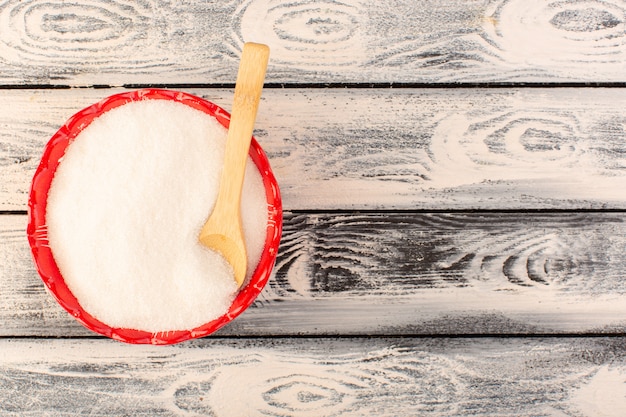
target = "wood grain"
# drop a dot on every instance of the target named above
(392, 253)
(316, 377)
(398, 273)
(392, 148)
(150, 41)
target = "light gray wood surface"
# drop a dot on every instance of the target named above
(453, 175)
(392, 148)
(123, 42)
(316, 377)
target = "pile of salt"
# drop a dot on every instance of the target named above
(124, 211)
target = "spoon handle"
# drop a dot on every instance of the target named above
(248, 89)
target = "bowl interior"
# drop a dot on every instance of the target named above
(44, 259)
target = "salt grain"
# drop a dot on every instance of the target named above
(125, 209)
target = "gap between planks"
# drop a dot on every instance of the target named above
(315, 86)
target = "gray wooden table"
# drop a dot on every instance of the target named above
(454, 184)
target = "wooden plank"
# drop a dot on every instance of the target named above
(316, 377)
(119, 41)
(392, 148)
(398, 273)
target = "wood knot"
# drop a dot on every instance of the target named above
(584, 20)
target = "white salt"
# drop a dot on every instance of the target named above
(125, 209)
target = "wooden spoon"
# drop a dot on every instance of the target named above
(223, 230)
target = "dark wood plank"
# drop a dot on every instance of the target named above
(316, 377)
(392, 253)
(392, 148)
(119, 41)
(399, 273)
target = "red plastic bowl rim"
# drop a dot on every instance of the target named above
(44, 259)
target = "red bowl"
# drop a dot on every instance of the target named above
(42, 254)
